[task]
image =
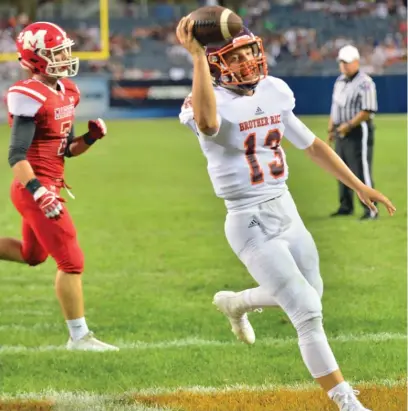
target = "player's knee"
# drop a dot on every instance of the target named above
(310, 307)
(317, 284)
(73, 264)
(311, 331)
(303, 303)
(34, 259)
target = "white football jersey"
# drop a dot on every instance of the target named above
(246, 162)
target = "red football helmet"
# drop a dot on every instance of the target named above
(223, 75)
(45, 48)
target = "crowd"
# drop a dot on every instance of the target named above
(281, 45)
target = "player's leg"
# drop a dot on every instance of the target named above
(302, 246)
(270, 262)
(58, 238)
(10, 250)
(240, 227)
(29, 250)
(304, 251)
(301, 303)
(61, 242)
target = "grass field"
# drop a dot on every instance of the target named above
(152, 233)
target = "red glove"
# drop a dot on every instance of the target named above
(49, 202)
(97, 129)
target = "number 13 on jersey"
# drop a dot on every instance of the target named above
(276, 166)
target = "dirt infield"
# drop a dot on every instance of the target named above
(376, 397)
(379, 398)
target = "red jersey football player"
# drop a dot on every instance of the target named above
(41, 112)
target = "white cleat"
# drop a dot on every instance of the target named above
(348, 401)
(89, 343)
(230, 304)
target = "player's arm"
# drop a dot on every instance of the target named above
(203, 97)
(78, 145)
(325, 157)
(22, 135)
(23, 104)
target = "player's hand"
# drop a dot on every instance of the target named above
(97, 129)
(369, 196)
(331, 137)
(185, 36)
(49, 202)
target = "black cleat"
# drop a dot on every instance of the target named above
(341, 212)
(368, 216)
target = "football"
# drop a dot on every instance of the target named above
(215, 24)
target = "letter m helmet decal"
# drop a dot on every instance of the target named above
(31, 41)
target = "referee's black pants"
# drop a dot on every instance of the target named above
(356, 150)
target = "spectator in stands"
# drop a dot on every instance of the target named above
(300, 47)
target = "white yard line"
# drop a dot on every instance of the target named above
(40, 326)
(198, 342)
(39, 313)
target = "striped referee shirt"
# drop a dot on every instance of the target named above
(352, 95)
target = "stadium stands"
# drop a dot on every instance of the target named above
(300, 38)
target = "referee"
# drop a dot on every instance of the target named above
(354, 103)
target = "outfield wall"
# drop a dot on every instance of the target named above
(101, 97)
(313, 95)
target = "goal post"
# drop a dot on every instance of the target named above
(101, 54)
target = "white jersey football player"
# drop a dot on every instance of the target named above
(240, 115)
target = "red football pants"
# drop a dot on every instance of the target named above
(43, 236)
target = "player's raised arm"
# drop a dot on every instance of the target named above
(203, 97)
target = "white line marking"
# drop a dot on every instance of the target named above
(34, 327)
(6, 313)
(198, 342)
(85, 397)
(83, 401)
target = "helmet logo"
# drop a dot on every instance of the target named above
(32, 41)
(241, 38)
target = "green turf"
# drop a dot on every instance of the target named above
(153, 235)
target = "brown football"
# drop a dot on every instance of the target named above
(215, 24)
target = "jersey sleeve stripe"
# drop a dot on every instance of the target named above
(28, 92)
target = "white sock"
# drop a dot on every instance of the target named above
(259, 297)
(342, 388)
(77, 328)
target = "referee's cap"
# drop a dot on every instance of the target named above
(348, 54)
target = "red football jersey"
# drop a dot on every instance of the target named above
(53, 111)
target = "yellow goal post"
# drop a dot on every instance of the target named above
(102, 54)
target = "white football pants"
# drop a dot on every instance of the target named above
(280, 254)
